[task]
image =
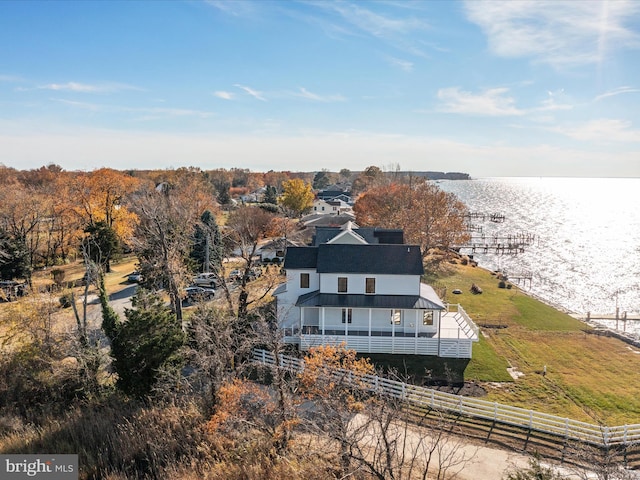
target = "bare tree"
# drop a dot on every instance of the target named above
(248, 226)
(162, 241)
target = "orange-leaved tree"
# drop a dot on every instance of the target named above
(429, 216)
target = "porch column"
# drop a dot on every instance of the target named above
(415, 333)
(393, 331)
(369, 337)
(322, 322)
(301, 321)
(346, 326)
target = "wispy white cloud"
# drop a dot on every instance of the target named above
(87, 88)
(493, 102)
(552, 103)
(146, 113)
(304, 93)
(602, 130)
(405, 65)
(342, 19)
(224, 95)
(250, 91)
(559, 32)
(617, 91)
(236, 9)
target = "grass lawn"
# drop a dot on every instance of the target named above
(589, 377)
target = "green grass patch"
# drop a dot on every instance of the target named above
(589, 377)
(486, 365)
(538, 316)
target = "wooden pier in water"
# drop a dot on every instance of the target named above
(500, 244)
(479, 216)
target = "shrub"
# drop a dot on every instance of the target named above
(464, 261)
(502, 284)
(66, 300)
(58, 276)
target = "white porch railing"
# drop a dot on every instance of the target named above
(601, 436)
(442, 347)
(464, 321)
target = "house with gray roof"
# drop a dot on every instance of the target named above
(362, 287)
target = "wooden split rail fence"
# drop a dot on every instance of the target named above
(426, 398)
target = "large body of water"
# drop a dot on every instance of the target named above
(586, 252)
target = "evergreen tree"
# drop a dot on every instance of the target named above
(147, 342)
(223, 194)
(321, 180)
(14, 258)
(102, 244)
(271, 195)
(208, 249)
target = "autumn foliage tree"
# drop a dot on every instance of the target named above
(429, 216)
(100, 195)
(297, 196)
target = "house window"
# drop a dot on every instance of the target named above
(396, 316)
(342, 284)
(427, 317)
(370, 285)
(347, 314)
(323, 209)
(304, 280)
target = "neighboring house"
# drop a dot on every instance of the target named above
(336, 192)
(255, 196)
(353, 288)
(275, 249)
(315, 220)
(331, 207)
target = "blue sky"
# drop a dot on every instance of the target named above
(517, 88)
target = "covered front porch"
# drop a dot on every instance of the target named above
(449, 333)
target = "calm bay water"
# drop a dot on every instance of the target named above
(586, 252)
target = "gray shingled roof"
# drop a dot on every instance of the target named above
(301, 258)
(343, 258)
(317, 299)
(381, 259)
(370, 234)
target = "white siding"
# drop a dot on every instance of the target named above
(385, 284)
(288, 313)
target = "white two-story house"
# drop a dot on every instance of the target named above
(353, 287)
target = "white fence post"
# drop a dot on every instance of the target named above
(511, 415)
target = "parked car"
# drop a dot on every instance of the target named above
(135, 277)
(206, 280)
(235, 275)
(252, 274)
(199, 293)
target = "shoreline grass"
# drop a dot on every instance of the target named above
(589, 377)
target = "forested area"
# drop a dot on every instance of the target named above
(160, 391)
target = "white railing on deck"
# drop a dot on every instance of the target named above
(444, 347)
(464, 321)
(472, 407)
